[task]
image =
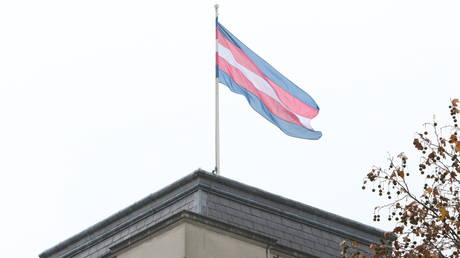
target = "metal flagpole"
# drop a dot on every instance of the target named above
(216, 134)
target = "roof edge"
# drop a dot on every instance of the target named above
(199, 173)
(122, 213)
(295, 204)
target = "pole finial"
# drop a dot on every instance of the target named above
(216, 6)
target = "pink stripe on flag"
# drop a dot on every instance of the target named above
(273, 106)
(285, 97)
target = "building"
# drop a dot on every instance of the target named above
(208, 216)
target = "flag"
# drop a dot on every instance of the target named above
(268, 92)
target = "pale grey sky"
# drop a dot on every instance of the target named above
(104, 102)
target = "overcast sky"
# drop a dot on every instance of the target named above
(105, 102)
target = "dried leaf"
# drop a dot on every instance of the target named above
(443, 141)
(401, 173)
(419, 248)
(429, 190)
(455, 102)
(457, 146)
(444, 213)
(417, 144)
(354, 244)
(398, 229)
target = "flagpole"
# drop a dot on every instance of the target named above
(217, 129)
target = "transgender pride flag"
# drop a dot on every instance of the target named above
(268, 92)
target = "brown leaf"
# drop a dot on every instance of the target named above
(455, 102)
(398, 229)
(401, 173)
(444, 213)
(429, 190)
(443, 141)
(354, 244)
(417, 144)
(457, 146)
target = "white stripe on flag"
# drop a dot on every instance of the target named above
(260, 83)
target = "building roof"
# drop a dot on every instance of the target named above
(290, 225)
